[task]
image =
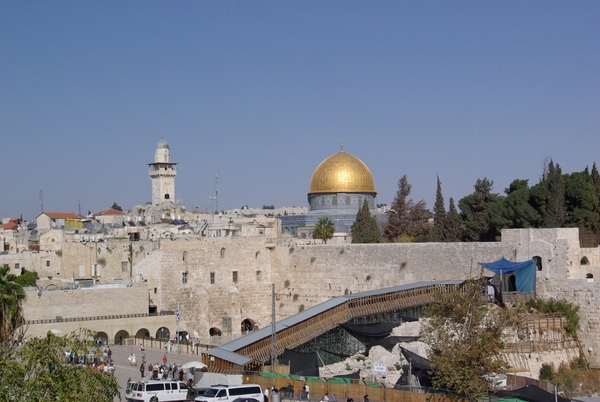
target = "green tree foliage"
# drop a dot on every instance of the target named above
(439, 231)
(365, 229)
(518, 211)
(546, 372)
(117, 207)
(563, 307)
(555, 198)
(12, 296)
(37, 371)
(27, 278)
(406, 219)
(481, 212)
(323, 229)
(454, 224)
(465, 338)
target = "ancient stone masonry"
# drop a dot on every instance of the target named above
(223, 284)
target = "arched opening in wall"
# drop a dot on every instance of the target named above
(163, 333)
(121, 336)
(102, 337)
(512, 283)
(222, 253)
(142, 333)
(589, 276)
(184, 256)
(214, 331)
(584, 261)
(247, 325)
(538, 262)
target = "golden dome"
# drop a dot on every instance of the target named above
(342, 173)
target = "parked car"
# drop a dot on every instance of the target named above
(156, 391)
(225, 393)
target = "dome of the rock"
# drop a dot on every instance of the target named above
(342, 173)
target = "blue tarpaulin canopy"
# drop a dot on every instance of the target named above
(524, 272)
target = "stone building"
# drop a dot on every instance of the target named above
(219, 269)
(338, 188)
(162, 172)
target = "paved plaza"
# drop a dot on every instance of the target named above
(123, 371)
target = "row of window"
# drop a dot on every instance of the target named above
(235, 277)
(221, 254)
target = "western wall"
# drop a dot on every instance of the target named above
(228, 279)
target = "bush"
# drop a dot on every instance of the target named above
(563, 307)
(27, 278)
(546, 372)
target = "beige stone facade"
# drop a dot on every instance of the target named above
(224, 283)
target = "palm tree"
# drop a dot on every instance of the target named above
(323, 229)
(12, 296)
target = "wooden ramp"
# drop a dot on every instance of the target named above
(251, 351)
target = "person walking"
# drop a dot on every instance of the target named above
(142, 368)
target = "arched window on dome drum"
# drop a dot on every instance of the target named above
(223, 252)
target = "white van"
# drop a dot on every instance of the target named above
(226, 393)
(156, 391)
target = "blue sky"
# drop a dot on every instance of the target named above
(265, 90)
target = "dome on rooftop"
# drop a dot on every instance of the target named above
(162, 144)
(342, 173)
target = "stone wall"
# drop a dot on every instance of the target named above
(307, 272)
(85, 302)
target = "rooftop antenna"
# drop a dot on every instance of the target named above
(79, 203)
(42, 199)
(217, 187)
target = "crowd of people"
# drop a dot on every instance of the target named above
(165, 371)
(99, 359)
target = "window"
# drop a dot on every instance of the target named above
(124, 266)
(184, 277)
(47, 263)
(258, 276)
(185, 256)
(223, 253)
(235, 276)
(17, 265)
(212, 278)
(155, 290)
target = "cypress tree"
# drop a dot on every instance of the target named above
(555, 203)
(365, 228)
(454, 224)
(438, 232)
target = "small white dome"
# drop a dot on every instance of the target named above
(162, 144)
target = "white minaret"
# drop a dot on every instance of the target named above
(162, 172)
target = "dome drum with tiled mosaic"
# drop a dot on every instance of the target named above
(341, 182)
(338, 188)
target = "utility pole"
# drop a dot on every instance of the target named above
(273, 330)
(217, 187)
